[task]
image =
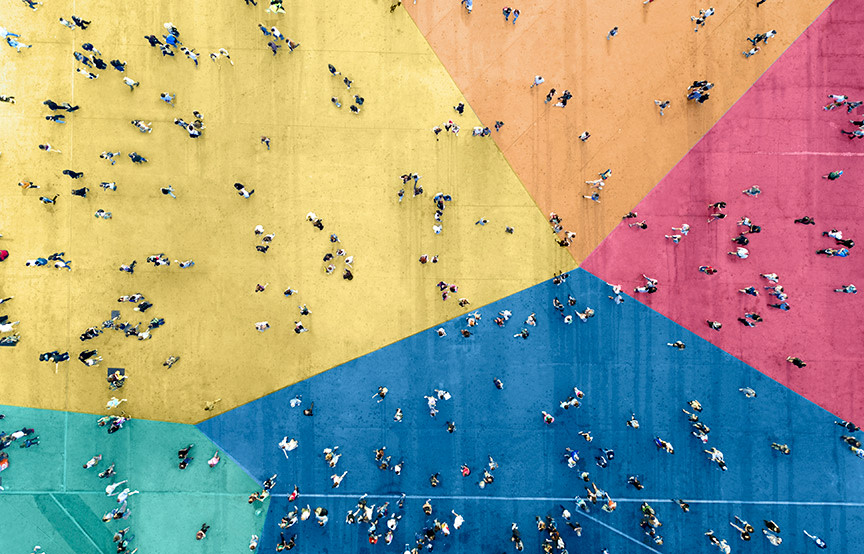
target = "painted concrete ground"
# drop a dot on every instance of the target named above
(779, 138)
(346, 169)
(614, 83)
(620, 359)
(50, 500)
(342, 167)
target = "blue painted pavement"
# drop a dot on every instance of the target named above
(620, 359)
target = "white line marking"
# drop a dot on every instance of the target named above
(617, 532)
(562, 500)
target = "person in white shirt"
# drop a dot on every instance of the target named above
(458, 521)
(337, 479)
(109, 490)
(288, 445)
(124, 494)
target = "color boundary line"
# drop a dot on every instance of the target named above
(692, 149)
(225, 452)
(573, 268)
(65, 511)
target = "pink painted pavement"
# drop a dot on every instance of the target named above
(779, 138)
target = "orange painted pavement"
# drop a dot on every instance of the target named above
(656, 55)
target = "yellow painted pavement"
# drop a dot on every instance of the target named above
(343, 167)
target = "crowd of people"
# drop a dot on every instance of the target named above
(380, 523)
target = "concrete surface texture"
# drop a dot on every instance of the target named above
(51, 501)
(379, 329)
(620, 360)
(614, 83)
(343, 167)
(780, 138)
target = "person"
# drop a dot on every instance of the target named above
(796, 361)
(650, 286)
(722, 545)
(124, 494)
(717, 456)
(143, 127)
(19, 45)
(381, 394)
(662, 104)
(612, 33)
(753, 191)
(89, 357)
(744, 531)
(93, 461)
(831, 252)
(288, 445)
(784, 448)
(184, 452)
(109, 156)
(87, 74)
(241, 190)
(772, 538)
(108, 472)
(202, 532)
(819, 542)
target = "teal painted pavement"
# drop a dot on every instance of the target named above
(51, 501)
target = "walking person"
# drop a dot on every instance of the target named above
(662, 104)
